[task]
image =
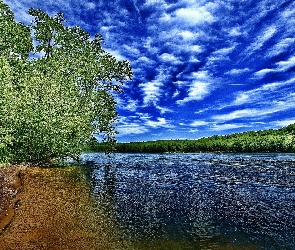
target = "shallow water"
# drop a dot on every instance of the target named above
(198, 201)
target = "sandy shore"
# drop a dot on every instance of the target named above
(51, 209)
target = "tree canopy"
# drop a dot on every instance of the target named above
(57, 88)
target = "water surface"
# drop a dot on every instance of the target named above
(198, 201)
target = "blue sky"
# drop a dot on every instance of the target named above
(201, 67)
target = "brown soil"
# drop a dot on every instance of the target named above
(51, 209)
(10, 186)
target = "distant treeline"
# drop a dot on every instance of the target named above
(281, 140)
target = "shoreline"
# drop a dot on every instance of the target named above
(51, 208)
(10, 189)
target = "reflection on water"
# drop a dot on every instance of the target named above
(198, 201)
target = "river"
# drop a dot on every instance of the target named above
(197, 201)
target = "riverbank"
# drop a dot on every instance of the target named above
(50, 208)
(10, 186)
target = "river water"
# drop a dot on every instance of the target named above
(197, 201)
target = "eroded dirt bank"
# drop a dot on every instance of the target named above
(10, 187)
(51, 209)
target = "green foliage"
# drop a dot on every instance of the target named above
(52, 103)
(15, 40)
(282, 140)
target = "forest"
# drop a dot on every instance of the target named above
(268, 141)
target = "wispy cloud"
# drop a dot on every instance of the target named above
(198, 123)
(197, 91)
(265, 109)
(169, 58)
(259, 94)
(237, 71)
(199, 87)
(280, 66)
(132, 128)
(284, 123)
(160, 122)
(244, 113)
(192, 16)
(281, 46)
(152, 91)
(285, 65)
(263, 72)
(223, 127)
(266, 34)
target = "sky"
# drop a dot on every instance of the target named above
(201, 67)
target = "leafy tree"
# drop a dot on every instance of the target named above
(53, 102)
(15, 40)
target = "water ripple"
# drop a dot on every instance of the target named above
(202, 200)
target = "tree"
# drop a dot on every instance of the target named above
(56, 100)
(15, 40)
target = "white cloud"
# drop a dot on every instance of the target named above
(281, 67)
(165, 18)
(143, 116)
(288, 14)
(220, 55)
(133, 50)
(224, 51)
(161, 122)
(241, 99)
(285, 65)
(284, 123)
(116, 54)
(152, 91)
(272, 86)
(261, 73)
(187, 35)
(90, 5)
(236, 31)
(265, 109)
(193, 59)
(161, 3)
(197, 91)
(131, 128)
(131, 105)
(164, 110)
(260, 40)
(193, 16)
(200, 75)
(149, 47)
(166, 57)
(198, 88)
(198, 123)
(144, 59)
(281, 46)
(176, 93)
(196, 48)
(258, 94)
(244, 113)
(221, 127)
(237, 71)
